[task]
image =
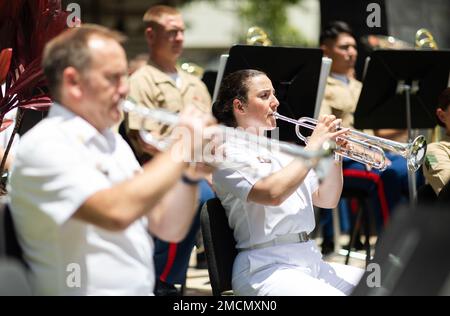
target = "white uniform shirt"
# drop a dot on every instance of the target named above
(286, 269)
(60, 163)
(256, 223)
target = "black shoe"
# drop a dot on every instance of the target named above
(358, 245)
(166, 289)
(201, 261)
(327, 247)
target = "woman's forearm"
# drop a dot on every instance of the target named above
(329, 192)
(277, 187)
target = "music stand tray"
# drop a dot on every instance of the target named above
(382, 103)
(400, 91)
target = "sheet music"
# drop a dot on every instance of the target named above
(220, 71)
(324, 72)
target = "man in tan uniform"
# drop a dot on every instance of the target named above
(342, 90)
(437, 162)
(341, 96)
(161, 84)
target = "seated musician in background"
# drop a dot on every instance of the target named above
(342, 91)
(272, 215)
(82, 205)
(437, 162)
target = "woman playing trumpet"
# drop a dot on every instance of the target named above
(273, 215)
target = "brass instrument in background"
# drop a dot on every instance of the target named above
(193, 69)
(384, 42)
(425, 40)
(257, 36)
(368, 149)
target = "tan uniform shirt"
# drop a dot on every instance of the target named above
(437, 164)
(340, 99)
(153, 88)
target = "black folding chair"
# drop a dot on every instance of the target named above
(13, 269)
(13, 278)
(9, 245)
(363, 217)
(220, 246)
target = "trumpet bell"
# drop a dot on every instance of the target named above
(417, 151)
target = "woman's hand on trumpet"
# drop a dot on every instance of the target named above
(327, 128)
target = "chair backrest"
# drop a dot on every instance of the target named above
(9, 245)
(13, 272)
(220, 246)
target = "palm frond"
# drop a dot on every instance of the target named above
(28, 25)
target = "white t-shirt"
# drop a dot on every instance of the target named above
(256, 223)
(60, 163)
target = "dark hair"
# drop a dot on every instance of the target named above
(234, 86)
(443, 103)
(332, 31)
(70, 49)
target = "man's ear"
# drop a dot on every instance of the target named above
(71, 83)
(238, 107)
(325, 49)
(440, 113)
(149, 33)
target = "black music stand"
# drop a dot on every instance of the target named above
(294, 73)
(400, 90)
(209, 79)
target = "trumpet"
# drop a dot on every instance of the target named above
(368, 149)
(235, 136)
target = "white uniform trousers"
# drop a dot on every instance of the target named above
(291, 269)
